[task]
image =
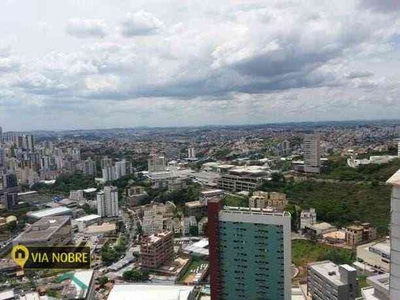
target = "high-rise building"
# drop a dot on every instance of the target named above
(191, 153)
(312, 153)
(120, 169)
(398, 149)
(156, 163)
(105, 162)
(108, 173)
(394, 289)
(250, 253)
(76, 154)
(285, 148)
(89, 167)
(1, 134)
(107, 202)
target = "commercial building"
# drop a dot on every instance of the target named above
(156, 163)
(176, 184)
(308, 217)
(152, 292)
(249, 253)
(359, 233)
(327, 281)
(237, 183)
(152, 222)
(107, 202)
(262, 199)
(48, 231)
(312, 153)
(86, 221)
(376, 255)
(157, 249)
(49, 212)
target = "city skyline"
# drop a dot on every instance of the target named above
(113, 65)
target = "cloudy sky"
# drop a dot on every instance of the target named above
(120, 63)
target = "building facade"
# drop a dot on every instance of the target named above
(250, 253)
(107, 202)
(312, 153)
(327, 281)
(308, 217)
(157, 249)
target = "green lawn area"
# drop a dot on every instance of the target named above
(231, 200)
(304, 251)
(362, 282)
(196, 262)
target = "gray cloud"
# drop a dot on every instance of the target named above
(88, 28)
(382, 5)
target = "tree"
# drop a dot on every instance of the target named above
(135, 275)
(102, 281)
(193, 230)
(11, 226)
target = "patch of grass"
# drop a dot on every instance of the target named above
(231, 200)
(304, 252)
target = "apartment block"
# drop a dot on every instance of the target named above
(157, 249)
(359, 233)
(327, 281)
(262, 199)
(250, 253)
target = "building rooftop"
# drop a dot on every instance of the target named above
(194, 204)
(150, 292)
(155, 237)
(330, 271)
(255, 211)
(88, 218)
(49, 212)
(79, 281)
(8, 294)
(42, 230)
(103, 228)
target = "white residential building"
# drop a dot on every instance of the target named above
(152, 222)
(89, 167)
(120, 169)
(107, 202)
(308, 217)
(191, 153)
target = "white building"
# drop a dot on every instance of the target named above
(86, 221)
(120, 169)
(109, 173)
(107, 202)
(89, 167)
(201, 224)
(312, 153)
(156, 163)
(327, 281)
(308, 217)
(191, 153)
(395, 237)
(152, 292)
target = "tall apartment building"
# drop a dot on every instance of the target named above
(157, 249)
(308, 217)
(312, 153)
(327, 281)
(105, 162)
(249, 253)
(107, 202)
(109, 173)
(156, 163)
(191, 153)
(262, 199)
(89, 167)
(398, 149)
(120, 168)
(394, 289)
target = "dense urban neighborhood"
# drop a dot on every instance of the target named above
(187, 210)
